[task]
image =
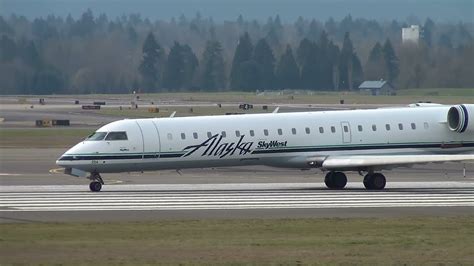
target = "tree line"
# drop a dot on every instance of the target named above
(98, 55)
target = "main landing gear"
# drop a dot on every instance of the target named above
(335, 180)
(338, 180)
(97, 182)
(374, 181)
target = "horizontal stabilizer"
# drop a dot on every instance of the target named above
(360, 161)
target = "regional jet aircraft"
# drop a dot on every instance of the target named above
(366, 141)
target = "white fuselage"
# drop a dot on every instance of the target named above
(275, 139)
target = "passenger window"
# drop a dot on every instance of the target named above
(307, 130)
(116, 136)
(97, 136)
(265, 132)
(333, 129)
(223, 134)
(209, 134)
(280, 132)
(237, 133)
(170, 137)
(346, 129)
(387, 127)
(293, 131)
(195, 135)
(321, 130)
(252, 133)
(359, 127)
(400, 126)
(413, 126)
(426, 125)
(374, 127)
(183, 136)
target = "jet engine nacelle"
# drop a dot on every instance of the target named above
(461, 118)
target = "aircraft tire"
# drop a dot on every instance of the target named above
(95, 186)
(335, 180)
(379, 181)
(329, 180)
(367, 181)
(376, 181)
(339, 180)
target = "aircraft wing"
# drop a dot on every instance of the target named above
(390, 161)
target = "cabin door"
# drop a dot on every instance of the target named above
(151, 141)
(346, 132)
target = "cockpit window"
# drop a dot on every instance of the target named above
(97, 136)
(116, 136)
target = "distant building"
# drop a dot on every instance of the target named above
(376, 87)
(411, 34)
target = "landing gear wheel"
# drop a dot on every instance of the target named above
(328, 180)
(375, 181)
(97, 182)
(335, 180)
(95, 186)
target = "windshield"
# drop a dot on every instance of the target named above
(116, 136)
(97, 136)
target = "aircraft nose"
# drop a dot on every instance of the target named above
(63, 160)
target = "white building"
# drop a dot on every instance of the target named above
(411, 34)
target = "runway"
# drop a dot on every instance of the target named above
(273, 198)
(33, 191)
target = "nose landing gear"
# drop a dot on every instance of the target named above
(97, 182)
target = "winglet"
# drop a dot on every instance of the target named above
(172, 114)
(276, 110)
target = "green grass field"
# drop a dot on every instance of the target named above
(446, 96)
(404, 96)
(42, 137)
(375, 241)
(180, 111)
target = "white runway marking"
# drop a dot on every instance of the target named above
(232, 197)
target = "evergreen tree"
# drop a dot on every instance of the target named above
(357, 71)
(48, 81)
(334, 54)
(263, 56)
(376, 67)
(300, 26)
(8, 49)
(287, 72)
(180, 67)
(5, 28)
(85, 25)
(243, 53)
(345, 63)
(149, 67)
(173, 77)
(191, 63)
(307, 58)
(314, 30)
(212, 67)
(428, 29)
(303, 50)
(249, 76)
(327, 58)
(391, 61)
(445, 41)
(29, 54)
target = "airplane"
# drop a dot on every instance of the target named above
(365, 141)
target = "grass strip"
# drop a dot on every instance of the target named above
(381, 241)
(42, 137)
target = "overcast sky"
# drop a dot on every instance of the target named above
(289, 10)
